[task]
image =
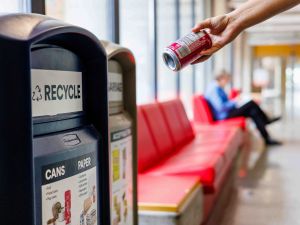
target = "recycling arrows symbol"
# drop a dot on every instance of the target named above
(37, 94)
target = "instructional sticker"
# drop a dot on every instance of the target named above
(69, 191)
(121, 145)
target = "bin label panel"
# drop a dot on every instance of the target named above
(115, 87)
(121, 151)
(56, 92)
(69, 191)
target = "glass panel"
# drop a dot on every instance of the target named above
(267, 81)
(200, 80)
(166, 16)
(186, 75)
(11, 6)
(134, 34)
(90, 14)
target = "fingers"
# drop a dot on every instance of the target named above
(206, 54)
(218, 33)
(201, 59)
(202, 25)
(219, 24)
(216, 25)
(210, 51)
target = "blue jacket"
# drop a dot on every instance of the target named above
(219, 102)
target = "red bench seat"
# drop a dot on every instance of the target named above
(206, 166)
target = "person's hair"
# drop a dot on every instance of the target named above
(222, 74)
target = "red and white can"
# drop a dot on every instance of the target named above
(68, 207)
(186, 50)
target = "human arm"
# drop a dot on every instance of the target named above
(226, 28)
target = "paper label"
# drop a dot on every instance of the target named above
(121, 207)
(187, 44)
(69, 191)
(56, 92)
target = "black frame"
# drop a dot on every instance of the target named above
(38, 6)
(114, 20)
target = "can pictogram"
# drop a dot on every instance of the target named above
(68, 207)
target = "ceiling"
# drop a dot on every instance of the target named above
(281, 29)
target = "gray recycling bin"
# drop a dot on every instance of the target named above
(122, 122)
(54, 164)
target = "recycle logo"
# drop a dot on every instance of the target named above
(37, 94)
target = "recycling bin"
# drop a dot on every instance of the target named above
(54, 164)
(122, 122)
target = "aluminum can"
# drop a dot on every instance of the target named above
(186, 50)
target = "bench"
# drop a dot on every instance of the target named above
(168, 146)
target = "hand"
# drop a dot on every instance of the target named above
(221, 29)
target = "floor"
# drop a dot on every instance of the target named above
(270, 194)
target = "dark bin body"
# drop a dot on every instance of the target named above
(28, 144)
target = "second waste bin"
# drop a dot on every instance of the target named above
(122, 122)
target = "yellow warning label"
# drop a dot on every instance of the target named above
(116, 164)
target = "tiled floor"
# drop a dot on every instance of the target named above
(270, 195)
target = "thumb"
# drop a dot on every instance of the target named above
(202, 25)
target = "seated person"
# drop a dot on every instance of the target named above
(224, 108)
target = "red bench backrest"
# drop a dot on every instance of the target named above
(147, 153)
(173, 121)
(202, 112)
(186, 123)
(159, 129)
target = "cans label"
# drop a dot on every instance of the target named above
(69, 191)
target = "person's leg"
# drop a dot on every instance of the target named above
(248, 111)
(252, 105)
(262, 114)
(251, 109)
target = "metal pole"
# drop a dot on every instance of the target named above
(38, 6)
(114, 9)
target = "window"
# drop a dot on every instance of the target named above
(134, 34)
(89, 14)
(186, 75)
(166, 31)
(200, 76)
(12, 6)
